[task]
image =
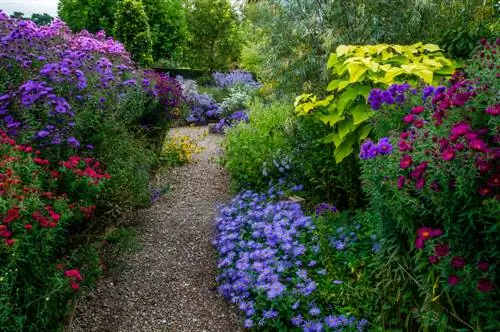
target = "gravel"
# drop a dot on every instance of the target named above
(169, 285)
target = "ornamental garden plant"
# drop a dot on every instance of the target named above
(79, 131)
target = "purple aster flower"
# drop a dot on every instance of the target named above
(384, 146)
(73, 142)
(314, 311)
(338, 282)
(297, 320)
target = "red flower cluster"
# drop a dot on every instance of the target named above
(87, 167)
(75, 278)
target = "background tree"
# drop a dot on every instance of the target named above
(41, 19)
(91, 15)
(132, 29)
(168, 24)
(18, 15)
(215, 40)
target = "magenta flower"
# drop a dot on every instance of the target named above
(401, 182)
(493, 110)
(484, 285)
(419, 243)
(409, 118)
(460, 129)
(442, 250)
(483, 266)
(433, 259)
(478, 145)
(453, 280)
(448, 154)
(405, 162)
(457, 262)
(418, 109)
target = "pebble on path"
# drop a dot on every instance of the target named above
(169, 285)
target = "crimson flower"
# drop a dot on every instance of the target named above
(409, 118)
(484, 285)
(418, 109)
(484, 191)
(433, 259)
(457, 262)
(401, 182)
(448, 154)
(478, 145)
(494, 180)
(453, 280)
(442, 250)
(405, 162)
(483, 266)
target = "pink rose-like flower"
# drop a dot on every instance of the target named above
(484, 285)
(409, 118)
(433, 259)
(453, 280)
(419, 243)
(494, 180)
(405, 162)
(493, 110)
(420, 183)
(448, 154)
(424, 232)
(436, 232)
(442, 250)
(401, 182)
(418, 109)
(483, 266)
(404, 135)
(457, 262)
(460, 129)
(403, 146)
(478, 145)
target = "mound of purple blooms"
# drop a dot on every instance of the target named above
(203, 109)
(370, 150)
(268, 266)
(398, 94)
(231, 121)
(234, 77)
(323, 208)
(49, 73)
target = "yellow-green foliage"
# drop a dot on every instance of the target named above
(179, 150)
(359, 69)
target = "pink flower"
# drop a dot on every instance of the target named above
(424, 232)
(493, 110)
(409, 118)
(484, 285)
(74, 274)
(457, 262)
(453, 280)
(436, 232)
(483, 166)
(419, 243)
(419, 123)
(484, 191)
(460, 129)
(404, 135)
(418, 109)
(401, 182)
(442, 250)
(433, 259)
(494, 180)
(420, 183)
(75, 286)
(448, 154)
(403, 146)
(478, 145)
(483, 266)
(405, 162)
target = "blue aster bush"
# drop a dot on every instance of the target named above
(287, 271)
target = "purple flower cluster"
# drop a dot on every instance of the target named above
(231, 120)
(370, 150)
(43, 63)
(203, 109)
(323, 208)
(234, 77)
(266, 265)
(395, 94)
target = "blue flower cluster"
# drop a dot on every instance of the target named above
(231, 120)
(323, 208)
(370, 150)
(268, 269)
(395, 94)
(234, 77)
(203, 109)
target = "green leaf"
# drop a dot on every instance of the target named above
(355, 71)
(343, 84)
(361, 113)
(346, 127)
(363, 131)
(343, 50)
(332, 61)
(431, 48)
(331, 119)
(333, 85)
(343, 150)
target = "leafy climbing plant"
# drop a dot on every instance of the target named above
(359, 69)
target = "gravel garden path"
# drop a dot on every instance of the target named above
(169, 285)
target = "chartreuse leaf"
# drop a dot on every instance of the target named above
(346, 98)
(363, 131)
(431, 48)
(332, 61)
(344, 149)
(343, 84)
(333, 85)
(345, 127)
(391, 74)
(331, 119)
(343, 50)
(356, 71)
(361, 113)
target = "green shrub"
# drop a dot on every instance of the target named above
(250, 145)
